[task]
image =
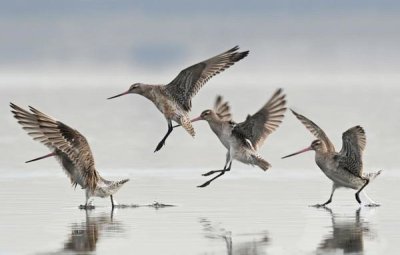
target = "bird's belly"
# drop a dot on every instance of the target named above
(170, 110)
(241, 154)
(101, 192)
(343, 178)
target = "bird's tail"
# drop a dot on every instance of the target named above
(372, 176)
(187, 125)
(119, 183)
(261, 163)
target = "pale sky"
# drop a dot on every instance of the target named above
(165, 36)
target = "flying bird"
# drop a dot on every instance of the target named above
(174, 99)
(344, 168)
(243, 140)
(71, 149)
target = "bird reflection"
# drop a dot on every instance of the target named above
(256, 246)
(347, 235)
(85, 235)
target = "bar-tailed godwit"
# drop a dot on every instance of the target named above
(174, 99)
(242, 140)
(344, 168)
(71, 149)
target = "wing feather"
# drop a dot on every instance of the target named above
(63, 139)
(316, 131)
(354, 142)
(190, 80)
(222, 109)
(257, 127)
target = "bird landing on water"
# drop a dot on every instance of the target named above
(243, 140)
(71, 149)
(344, 168)
(174, 100)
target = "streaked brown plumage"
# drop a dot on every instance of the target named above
(345, 168)
(70, 147)
(243, 140)
(174, 99)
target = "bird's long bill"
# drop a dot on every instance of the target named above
(126, 92)
(196, 119)
(303, 150)
(39, 158)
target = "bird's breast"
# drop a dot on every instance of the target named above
(341, 177)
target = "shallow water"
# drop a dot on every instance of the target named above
(245, 212)
(267, 213)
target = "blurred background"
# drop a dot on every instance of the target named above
(338, 62)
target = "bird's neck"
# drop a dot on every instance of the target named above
(218, 126)
(150, 91)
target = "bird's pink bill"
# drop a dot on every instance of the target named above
(43, 157)
(196, 119)
(301, 151)
(126, 92)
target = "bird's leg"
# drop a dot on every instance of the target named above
(358, 192)
(218, 171)
(87, 202)
(371, 202)
(212, 179)
(112, 202)
(162, 142)
(330, 198)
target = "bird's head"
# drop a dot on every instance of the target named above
(316, 145)
(135, 88)
(207, 115)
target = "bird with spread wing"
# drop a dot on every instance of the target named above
(71, 149)
(344, 168)
(174, 100)
(243, 140)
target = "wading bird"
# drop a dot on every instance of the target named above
(174, 99)
(242, 140)
(71, 149)
(344, 168)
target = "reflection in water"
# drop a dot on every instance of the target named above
(85, 235)
(347, 235)
(253, 247)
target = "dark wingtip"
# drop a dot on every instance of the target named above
(295, 113)
(234, 49)
(241, 55)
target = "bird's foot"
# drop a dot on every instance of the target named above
(212, 172)
(204, 184)
(87, 207)
(372, 205)
(160, 145)
(318, 205)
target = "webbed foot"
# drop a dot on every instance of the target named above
(212, 172)
(372, 205)
(86, 207)
(160, 145)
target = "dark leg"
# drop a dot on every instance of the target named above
(162, 142)
(112, 202)
(87, 205)
(222, 172)
(358, 192)
(329, 200)
(218, 171)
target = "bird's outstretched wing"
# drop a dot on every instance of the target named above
(222, 109)
(62, 138)
(350, 156)
(190, 80)
(257, 127)
(316, 131)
